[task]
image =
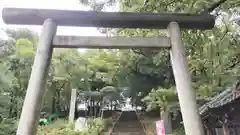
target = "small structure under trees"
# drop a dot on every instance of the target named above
(95, 101)
(50, 19)
(221, 114)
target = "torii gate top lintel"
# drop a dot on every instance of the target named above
(24, 16)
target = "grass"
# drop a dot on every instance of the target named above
(52, 127)
(63, 127)
(59, 123)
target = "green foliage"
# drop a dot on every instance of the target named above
(7, 126)
(96, 126)
(165, 99)
(64, 131)
(15, 64)
(60, 127)
(213, 55)
(179, 131)
(25, 47)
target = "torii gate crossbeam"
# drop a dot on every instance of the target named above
(106, 19)
(50, 19)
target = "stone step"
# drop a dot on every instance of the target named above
(128, 133)
(128, 124)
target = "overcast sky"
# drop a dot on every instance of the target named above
(48, 4)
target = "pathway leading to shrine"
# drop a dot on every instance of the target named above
(128, 124)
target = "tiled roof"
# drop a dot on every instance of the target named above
(227, 96)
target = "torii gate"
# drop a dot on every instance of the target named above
(50, 19)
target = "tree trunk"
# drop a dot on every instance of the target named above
(54, 102)
(17, 75)
(111, 105)
(102, 114)
(17, 110)
(11, 108)
(99, 108)
(53, 105)
(86, 109)
(166, 117)
(95, 109)
(91, 108)
(115, 105)
(57, 101)
(102, 111)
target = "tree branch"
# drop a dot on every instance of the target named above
(214, 6)
(235, 62)
(139, 52)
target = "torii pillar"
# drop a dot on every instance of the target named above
(186, 95)
(36, 85)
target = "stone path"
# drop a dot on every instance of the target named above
(128, 124)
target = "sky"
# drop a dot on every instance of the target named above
(48, 4)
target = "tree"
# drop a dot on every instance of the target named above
(110, 95)
(212, 54)
(167, 101)
(18, 63)
(15, 63)
(88, 72)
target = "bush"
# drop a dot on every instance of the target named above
(179, 131)
(59, 127)
(95, 127)
(56, 131)
(59, 123)
(8, 126)
(65, 131)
